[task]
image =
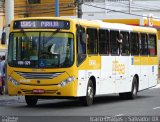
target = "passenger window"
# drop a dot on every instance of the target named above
(114, 35)
(152, 47)
(134, 43)
(125, 44)
(143, 44)
(92, 44)
(104, 42)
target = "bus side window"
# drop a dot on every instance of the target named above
(104, 42)
(114, 35)
(143, 44)
(92, 41)
(152, 47)
(134, 43)
(125, 44)
(81, 44)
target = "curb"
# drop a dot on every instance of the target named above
(7, 97)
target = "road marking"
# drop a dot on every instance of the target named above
(120, 115)
(156, 108)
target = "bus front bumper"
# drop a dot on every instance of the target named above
(47, 90)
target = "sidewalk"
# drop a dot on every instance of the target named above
(11, 98)
(7, 97)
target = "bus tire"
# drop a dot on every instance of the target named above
(88, 99)
(134, 90)
(31, 101)
(123, 96)
(1, 92)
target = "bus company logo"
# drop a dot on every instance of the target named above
(92, 62)
(118, 68)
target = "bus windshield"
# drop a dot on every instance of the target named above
(41, 49)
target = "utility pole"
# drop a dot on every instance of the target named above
(57, 8)
(79, 7)
(9, 15)
(130, 6)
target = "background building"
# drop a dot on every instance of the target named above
(34, 8)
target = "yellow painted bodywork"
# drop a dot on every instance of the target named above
(145, 60)
(50, 90)
(50, 86)
(91, 63)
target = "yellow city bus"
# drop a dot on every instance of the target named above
(58, 57)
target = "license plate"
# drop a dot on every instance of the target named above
(38, 91)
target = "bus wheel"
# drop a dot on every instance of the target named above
(134, 90)
(88, 99)
(31, 101)
(123, 96)
(1, 92)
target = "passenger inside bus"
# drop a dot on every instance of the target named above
(125, 44)
(120, 41)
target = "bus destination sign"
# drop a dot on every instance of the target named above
(41, 24)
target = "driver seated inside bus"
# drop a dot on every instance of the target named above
(52, 49)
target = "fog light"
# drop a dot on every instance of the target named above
(13, 81)
(65, 82)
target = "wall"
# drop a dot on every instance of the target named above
(45, 8)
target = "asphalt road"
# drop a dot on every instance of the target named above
(146, 104)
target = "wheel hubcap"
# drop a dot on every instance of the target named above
(90, 92)
(134, 90)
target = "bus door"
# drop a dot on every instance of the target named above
(81, 57)
(93, 59)
(122, 63)
(143, 45)
(107, 75)
(134, 66)
(152, 60)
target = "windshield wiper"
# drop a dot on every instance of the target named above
(54, 33)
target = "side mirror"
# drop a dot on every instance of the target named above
(3, 40)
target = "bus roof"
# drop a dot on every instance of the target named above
(98, 24)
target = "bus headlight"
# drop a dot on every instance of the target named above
(65, 82)
(12, 80)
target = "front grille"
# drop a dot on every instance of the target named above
(29, 75)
